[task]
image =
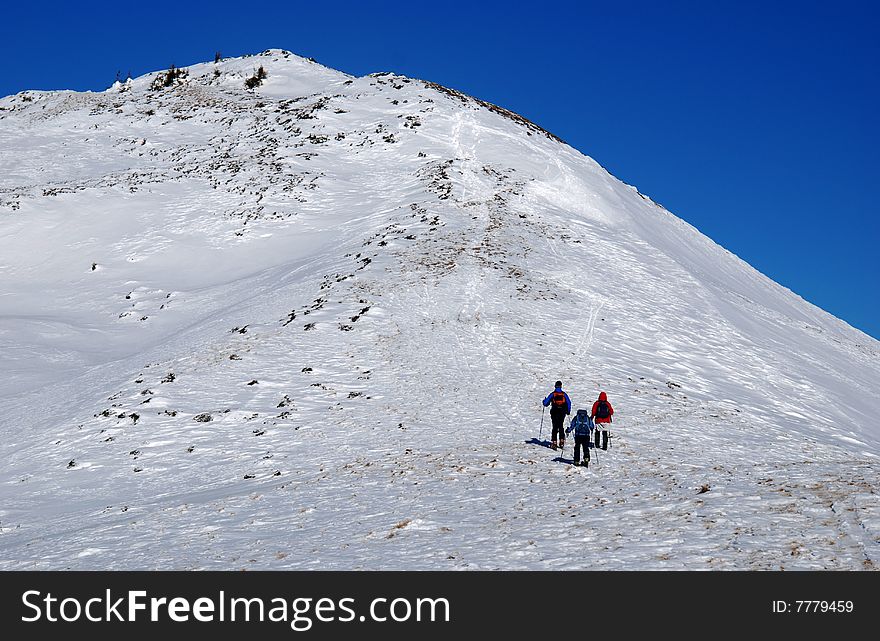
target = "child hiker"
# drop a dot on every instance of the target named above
(581, 424)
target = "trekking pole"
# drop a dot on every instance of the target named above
(591, 441)
(541, 431)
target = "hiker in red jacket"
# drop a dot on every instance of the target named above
(602, 412)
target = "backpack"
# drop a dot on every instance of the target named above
(558, 400)
(581, 423)
(602, 411)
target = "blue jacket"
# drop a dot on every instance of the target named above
(581, 424)
(550, 398)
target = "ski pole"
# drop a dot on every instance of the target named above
(541, 431)
(596, 429)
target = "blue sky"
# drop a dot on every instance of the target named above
(757, 122)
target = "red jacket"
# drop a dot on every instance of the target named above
(602, 397)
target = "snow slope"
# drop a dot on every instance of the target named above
(309, 325)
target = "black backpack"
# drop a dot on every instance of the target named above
(602, 410)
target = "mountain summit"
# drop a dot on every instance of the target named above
(258, 313)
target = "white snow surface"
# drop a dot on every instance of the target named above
(309, 326)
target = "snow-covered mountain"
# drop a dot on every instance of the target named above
(309, 324)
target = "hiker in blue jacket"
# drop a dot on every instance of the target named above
(560, 407)
(581, 424)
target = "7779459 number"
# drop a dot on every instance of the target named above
(823, 606)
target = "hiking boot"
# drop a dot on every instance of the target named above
(562, 444)
(553, 445)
